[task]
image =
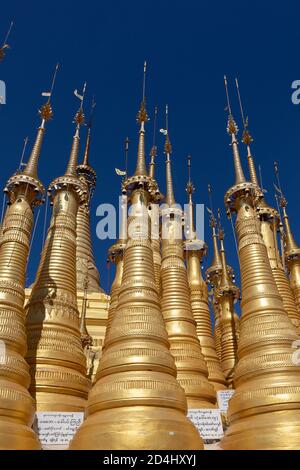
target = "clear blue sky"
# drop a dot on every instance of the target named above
(189, 45)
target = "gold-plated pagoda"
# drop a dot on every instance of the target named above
(154, 213)
(136, 401)
(264, 412)
(192, 372)
(25, 192)
(270, 221)
(291, 250)
(226, 294)
(55, 354)
(195, 250)
(86, 269)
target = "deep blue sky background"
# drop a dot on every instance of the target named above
(189, 45)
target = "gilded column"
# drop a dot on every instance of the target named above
(17, 408)
(194, 251)
(226, 293)
(55, 354)
(192, 372)
(87, 271)
(136, 401)
(264, 412)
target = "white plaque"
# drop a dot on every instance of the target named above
(208, 422)
(56, 429)
(223, 397)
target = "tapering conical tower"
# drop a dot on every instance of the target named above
(192, 371)
(270, 220)
(194, 251)
(154, 213)
(87, 272)
(264, 412)
(136, 401)
(116, 256)
(55, 354)
(213, 277)
(226, 294)
(291, 249)
(17, 408)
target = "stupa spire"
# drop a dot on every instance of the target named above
(17, 407)
(291, 250)
(153, 151)
(195, 250)
(5, 44)
(232, 130)
(136, 397)
(46, 114)
(226, 294)
(170, 199)
(78, 120)
(116, 256)
(213, 223)
(270, 221)
(266, 379)
(176, 305)
(142, 118)
(55, 354)
(87, 272)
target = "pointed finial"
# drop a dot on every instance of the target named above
(88, 137)
(232, 130)
(5, 45)
(153, 150)
(170, 199)
(126, 142)
(190, 188)
(247, 139)
(232, 127)
(290, 243)
(210, 209)
(46, 114)
(78, 120)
